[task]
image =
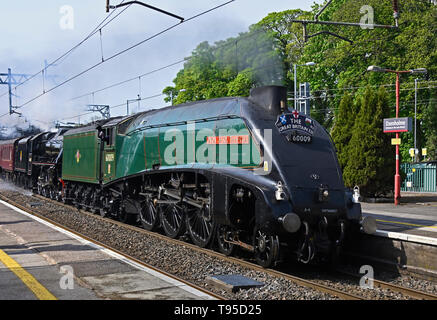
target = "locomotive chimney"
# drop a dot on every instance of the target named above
(272, 98)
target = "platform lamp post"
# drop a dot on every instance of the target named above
(171, 94)
(415, 119)
(295, 79)
(132, 100)
(412, 71)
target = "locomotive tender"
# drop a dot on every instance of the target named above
(229, 172)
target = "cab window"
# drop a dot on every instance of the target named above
(109, 134)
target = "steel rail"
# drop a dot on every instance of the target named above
(408, 291)
(396, 288)
(300, 281)
(142, 263)
(297, 280)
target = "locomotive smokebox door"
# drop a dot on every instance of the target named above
(272, 98)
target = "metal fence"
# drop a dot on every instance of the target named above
(420, 177)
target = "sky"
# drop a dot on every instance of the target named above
(37, 31)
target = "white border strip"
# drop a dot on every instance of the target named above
(406, 237)
(114, 254)
(405, 215)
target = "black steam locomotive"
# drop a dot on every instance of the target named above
(230, 172)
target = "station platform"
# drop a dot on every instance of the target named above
(41, 261)
(416, 215)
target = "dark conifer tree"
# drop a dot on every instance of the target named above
(430, 123)
(342, 130)
(370, 162)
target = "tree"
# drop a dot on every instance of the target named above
(287, 38)
(430, 122)
(341, 64)
(227, 68)
(203, 77)
(274, 44)
(370, 164)
(241, 85)
(342, 130)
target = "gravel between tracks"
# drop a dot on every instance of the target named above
(193, 266)
(175, 259)
(409, 281)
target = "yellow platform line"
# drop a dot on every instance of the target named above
(40, 292)
(407, 224)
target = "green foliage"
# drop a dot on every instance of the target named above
(341, 65)
(228, 68)
(287, 38)
(407, 142)
(241, 85)
(266, 55)
(202, 78)
(370, 156)
(430, 122)
(342, 130)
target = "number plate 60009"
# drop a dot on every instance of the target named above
(299, 138)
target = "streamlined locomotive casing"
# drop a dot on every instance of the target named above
(248, 171)
(176, 138)
(303, 171)
(307, 173)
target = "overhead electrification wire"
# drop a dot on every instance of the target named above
(113, 107)
(129, 80)
(248, 35)
(123, 51)
(326, 110)
(343, 94)
(419, 102)
(156, 70)
(97, 29)
(218, 47)
(376, 85)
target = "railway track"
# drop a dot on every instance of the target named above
(315, 285)
(393, 287)
(299, 281)
(104, 245)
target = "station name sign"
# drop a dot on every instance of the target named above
(397, 125)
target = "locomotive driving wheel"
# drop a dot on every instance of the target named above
(149, 216)
(200, 225)
(172, 217)
(266, 248)
(224, 234)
